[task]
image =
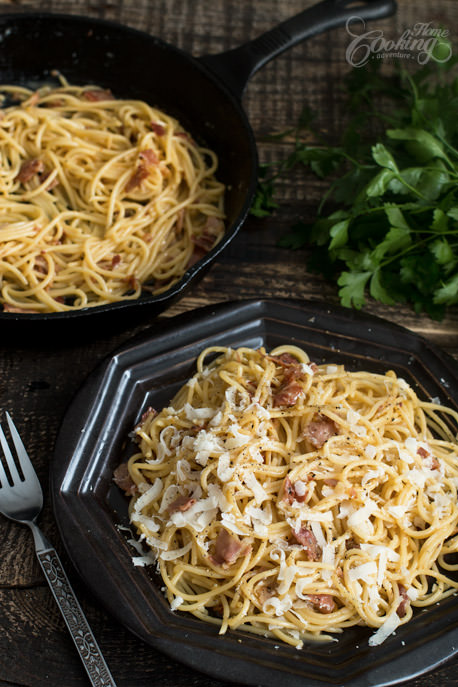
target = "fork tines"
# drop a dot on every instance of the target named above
(16, 471)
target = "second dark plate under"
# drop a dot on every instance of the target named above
(93, 440)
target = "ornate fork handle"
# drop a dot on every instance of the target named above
(88, 649)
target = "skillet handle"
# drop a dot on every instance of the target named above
(236, 66)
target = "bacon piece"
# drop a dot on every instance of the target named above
(405, 601)
(158, 129)
(319, 430)
(290, 390)
(308, 541)
(264, 592)
(287, 395)
(40, 264)
(351, 544)
(53, 183)
(330, 482)
(323, 603)
(150, 411)
(29, 168)
(206, 240)
(181, 504)
(290, 493)
(227, 549)
(284, 359)
(149, 156)
(132, 281)
(110, 264)
(148, 159)
(212, 228)
(137, 177)
(97, 94)
(433, 461)
(123, 480)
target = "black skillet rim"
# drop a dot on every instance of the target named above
(162, 301)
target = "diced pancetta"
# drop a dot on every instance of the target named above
(29, 168)
(287, 395)
(181, 503)
(294, 492)
(97, 94)
(308, 541)
(227, 549)
(319, 430)
(123, 480)
(323, 603)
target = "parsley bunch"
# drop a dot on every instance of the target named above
(392, 228)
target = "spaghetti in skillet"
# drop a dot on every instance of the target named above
(295, 500)
(99, 198)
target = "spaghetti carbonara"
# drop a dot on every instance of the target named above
(99, 198)
(295, 500)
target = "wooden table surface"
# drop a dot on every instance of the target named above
(38, 378)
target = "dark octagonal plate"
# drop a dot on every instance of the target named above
(93, 440)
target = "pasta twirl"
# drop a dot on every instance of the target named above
(295, 500)
(97, 197)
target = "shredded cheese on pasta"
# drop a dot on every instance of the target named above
(295, 500)
(99, 198)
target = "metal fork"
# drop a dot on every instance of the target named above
(21, 500)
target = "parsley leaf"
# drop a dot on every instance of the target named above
(394, 235)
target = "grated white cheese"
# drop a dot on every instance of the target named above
(148, 496)
(318, 532)
(317, 516)
(277, 606)
(365, 572)
(372, 474)
(260, 520)
(252, 483)
(175, 553)
(416, 477)
(228, 520)
(375, 550)
(411, 445)
(238, 438)
(412, 593)
(197, 414)
(176, 603)
(328, 559)
(362, 514)
(147, 559)
(353, 416)
(307, 369)
(286, 576)
(301, 584)
(300, 487)
(370, 451)
(385, 630)
(224, 471)
(204, 445)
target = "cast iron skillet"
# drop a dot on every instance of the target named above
(203, 93)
